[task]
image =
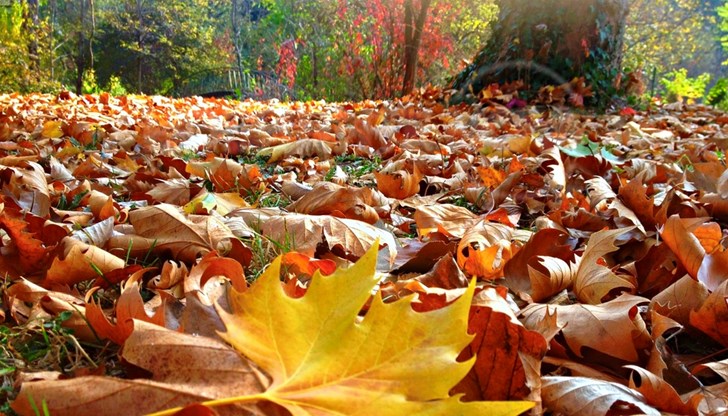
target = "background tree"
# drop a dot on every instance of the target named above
(74, 22)
(154, 45)
(550, 42)
(666, 35)
(24, 48)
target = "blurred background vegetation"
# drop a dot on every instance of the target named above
(331, 49)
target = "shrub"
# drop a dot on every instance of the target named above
(679, 86)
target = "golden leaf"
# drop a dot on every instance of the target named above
(324, 360)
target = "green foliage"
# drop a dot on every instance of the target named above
(671, 34)
(679, 86)
(34, 346)
(89, 84)
(722, 12)
(718, 94)
(159, 44)
(115, 87)
(20, 72)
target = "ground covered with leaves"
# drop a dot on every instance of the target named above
(396, 257)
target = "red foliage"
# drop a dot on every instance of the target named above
(373, 44)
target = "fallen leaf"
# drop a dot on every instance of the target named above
(312, 366)
(508, 355)
(128, 307)
(305, 148)
(185, 369)
(658, 393)
(613, 328)
(164, 230)
(485, 249)
(451, 220)
(593, 281)
(686, 246)
(541, 268)
(78, 262)
(712, 316)
(304, 233)
(579, 396)
(399, 184)
(327, 198)
(27, 183)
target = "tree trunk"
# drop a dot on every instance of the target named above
(549, 42)
(84, 57)
(412, 39)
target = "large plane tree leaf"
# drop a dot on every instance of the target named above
(324, 359)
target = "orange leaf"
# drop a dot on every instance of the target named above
(128, 306)
(299, 263)
(485, 249)
(507, 354)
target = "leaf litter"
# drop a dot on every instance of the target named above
(434, 259)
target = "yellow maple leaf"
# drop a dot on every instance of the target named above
(52, 130)
(325, 360)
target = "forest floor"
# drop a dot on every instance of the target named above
(585, 254)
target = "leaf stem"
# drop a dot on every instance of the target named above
(251, 398)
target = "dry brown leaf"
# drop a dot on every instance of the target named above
(451, 220)
(680, 299)
(78, 261)
(507, 355)
(128, 306)
(327, 198)
(576, 396)
(27, 184)
(713, 270)
(676, 233)
(399, 184)
(712, 316)
(208, 284)
(542, 267)
(30, 245)
(185, 369)
(658, 393)
(172, 191)
(613, 328)
(594, 281)
(348, 238)
(304, 148)
(28, 302)
(164, 230)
